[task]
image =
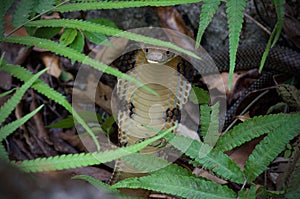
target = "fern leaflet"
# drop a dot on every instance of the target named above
(271, 146)
(7, 93)
(183, 186)
(42, 6)
(248, 193)
(84, 159)
(158, 165)
(119, 4)
(22, 12)
(211, 124)
(3, 153)
(107, 30)
(11, 127)
(251, 129)
(74, 56)
(8, 106)
(208, 10)
(204, 155)
(279, 5)
(235, 16)
(24, 75)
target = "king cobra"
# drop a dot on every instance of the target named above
(139, 108)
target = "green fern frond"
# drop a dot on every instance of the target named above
(204, 155)
(7, 93)
(271, 146)
(119, 4)
(84, 159)
(96, 183)
(42, 6)
(248, 193)
(279, 5)
(210, 123)
(10, 104)
(3, 153)
(183, 186)
(251, 129)
(11, 127)
(24, 75)
(157, 166)
(209, 8)
(234, 11)
(199, 95)
(107, 30)
(22, 13)
(73, 55)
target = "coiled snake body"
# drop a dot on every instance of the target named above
(170, 76)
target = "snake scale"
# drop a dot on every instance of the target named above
(138, 108)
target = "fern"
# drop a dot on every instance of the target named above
(247, 193)
(96, 183)
(119, 4)
(251, 129)
(22, 12)
(8, 106)
(3, 153)
(24, 75)
(271, 146)
(235, 16)
(209, 8)
(204, 155)
(210, 123)
(279, 5)
(107, 30)
(42, 6)
(74, 56)
(84, 159)
(7, 93)
(11, 127)
(157, 166)
(183, 186)
(199, 95)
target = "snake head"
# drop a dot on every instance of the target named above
(157, 55)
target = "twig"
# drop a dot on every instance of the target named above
(258, 24)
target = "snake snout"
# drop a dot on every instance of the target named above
(155, 58)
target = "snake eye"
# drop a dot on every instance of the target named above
(146, 50)
(167, 52)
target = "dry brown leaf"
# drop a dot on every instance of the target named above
(240, 155)
(8, 28)
(244, 117)
(207, 175)
(51, 61)
(170, 18)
